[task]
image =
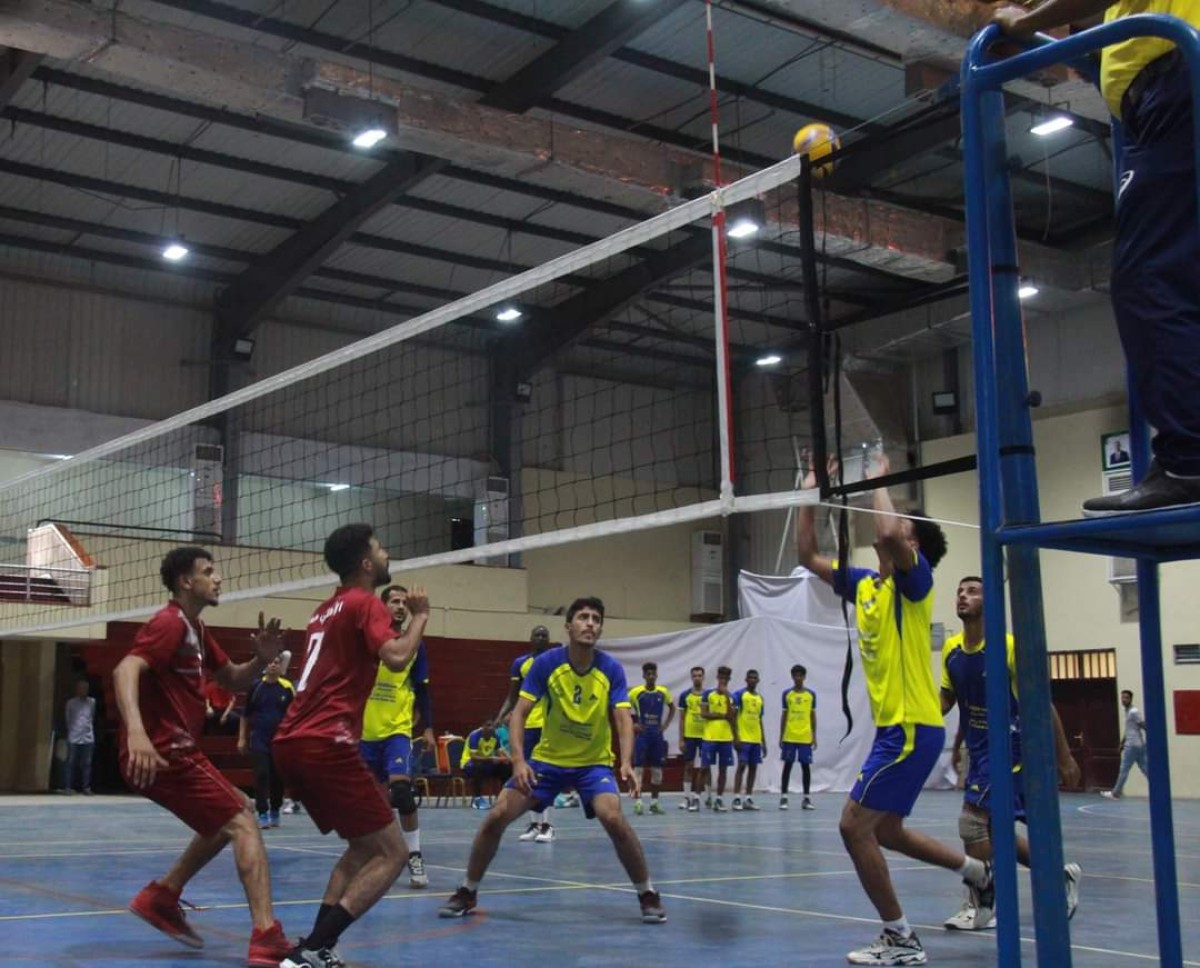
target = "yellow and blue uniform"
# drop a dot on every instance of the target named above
(798, 706)
(388, 716)
(895, 641)
(1121, 63)
(482, 745)
(750, 707)
(963, 674)
(690, 704)
(575, 746)
(649, 709)
(718, 733)
(537, 715)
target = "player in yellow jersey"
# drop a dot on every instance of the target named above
(691, 739)
(581, 686)
(720, 733)
(484, 756)
(1154, 285)
(752, 743)
(387, 732)
(540, 829)
(798, 735)
(894, 607)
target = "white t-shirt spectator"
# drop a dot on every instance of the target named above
(81, 713)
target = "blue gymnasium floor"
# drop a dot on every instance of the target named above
(740, 889)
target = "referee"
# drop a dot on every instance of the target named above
(1155, 283)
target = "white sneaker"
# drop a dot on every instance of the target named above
(1110, 795)
(531, 832)
(1073, 876)
(683, 803)
(718, 806)
(694, 805)
(737, 803)
(545, 835)
(966, 918)
(807, 804)
(890, 949)
(418, 879)
(783, 805)
(751, 805)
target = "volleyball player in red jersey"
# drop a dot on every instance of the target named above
(160, 693)
(316, 745)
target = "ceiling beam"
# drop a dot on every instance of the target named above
(16, 67)
(576, 53)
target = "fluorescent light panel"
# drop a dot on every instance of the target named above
(175, 251)
(369, 137)
(1051, 125)
(509, 314)
(770, 359)
(743, 228)
(1027, 291)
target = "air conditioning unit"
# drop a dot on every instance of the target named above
(1120, 570)
(491, 517)
(208, 463)
(708, 575)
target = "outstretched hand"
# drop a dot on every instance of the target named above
(831, 469)
(268, 640)
(879, 467)
(1012, 20)
(417, 601)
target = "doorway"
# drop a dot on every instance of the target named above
(1083, 686)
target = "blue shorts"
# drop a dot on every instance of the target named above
(691, 749)
(532, 738)
(790, 752)
(649, 749)
(978, 790)
(717, 752)
(387, 757)
(900, 761)
(750, 754)
(588, 781)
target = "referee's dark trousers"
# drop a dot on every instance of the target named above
(1156, 260)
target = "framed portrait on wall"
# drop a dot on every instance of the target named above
(1114, 451)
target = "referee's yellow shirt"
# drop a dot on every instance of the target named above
(1120, 64)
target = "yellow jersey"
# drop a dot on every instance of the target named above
(693, 723)
(1121, 63)
(389, 709)
(478, 743)
(895, 640)
(576, 731)
(718, 730)
(520, 668)
(798, 704)
(750, 714)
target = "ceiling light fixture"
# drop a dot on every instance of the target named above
(508, 314)
(369, 137)
(770, 359)
(1027, 291)
(1051, 125)
(175, 252)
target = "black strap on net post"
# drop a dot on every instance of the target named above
(824, 357)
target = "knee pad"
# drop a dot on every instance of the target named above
(656, 775)
(402, 797)
(974, 827)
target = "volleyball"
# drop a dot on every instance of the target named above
(817, 141)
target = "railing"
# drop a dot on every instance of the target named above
(37, 584)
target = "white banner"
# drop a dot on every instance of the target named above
(797, 619)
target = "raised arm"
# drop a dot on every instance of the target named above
(239, 677)
(396, 653)
(806, 532)
(891, 545)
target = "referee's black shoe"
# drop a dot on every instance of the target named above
(1157, 491)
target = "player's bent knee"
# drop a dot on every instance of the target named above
(974, 827)
(401, 792)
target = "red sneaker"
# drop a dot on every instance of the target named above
(268, 948)
(159, 907)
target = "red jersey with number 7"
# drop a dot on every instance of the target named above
(340, 663)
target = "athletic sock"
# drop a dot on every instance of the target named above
(412, 838)
(642, 887)
(973, 870)
(323, 910)
(330, 928)
(546, 815)
(899, 926)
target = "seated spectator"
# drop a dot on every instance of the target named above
(483, 757)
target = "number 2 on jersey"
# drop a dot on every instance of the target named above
(314, 649)
(577, 698)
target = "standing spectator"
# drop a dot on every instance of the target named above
(266, 703)
(1133, 746)
(218, 708)
(81, 740)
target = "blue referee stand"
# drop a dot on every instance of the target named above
(1011, 520)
